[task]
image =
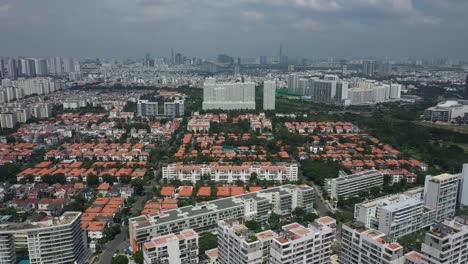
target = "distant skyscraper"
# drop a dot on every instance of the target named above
(41, 67)
(172, 56)
(466, 88)
(385, 69)
(269, 92)
(368, 68)
(12, 69)
(2, 69)
(225, 59)
(293, 82)
(263, 60)
(178, 59)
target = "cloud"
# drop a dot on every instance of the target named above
(253, 15)
(306, 25)
(4, 8)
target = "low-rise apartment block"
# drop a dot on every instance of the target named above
(202, 217)
(229, 173)
(348, 185)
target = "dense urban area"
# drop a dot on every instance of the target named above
(233, 160)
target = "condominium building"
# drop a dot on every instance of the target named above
(228, 96)
(441, 194)
(447, 242)
(57, 240)
(360, 245)
(302, 245)
(147, 108)
(231, 173)
(463, 194)
(330, 90)
(8, 120)
(202, 217)
(348, 185)
(269, 93)
(294, 243)
(174, 109)
(179, 248)
(239, 245)
(405, 213)
(293, 83)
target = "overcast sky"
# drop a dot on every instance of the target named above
(249, 28)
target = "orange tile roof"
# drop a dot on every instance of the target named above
(204, 191)
(167, 190)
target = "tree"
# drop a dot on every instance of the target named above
(120, 259)
(138, 257)
(125, 179)
(253, 225)
(375, 191)
(299, 214)
(138, 184)
(274, 221)
(207, 241)
(92, 180)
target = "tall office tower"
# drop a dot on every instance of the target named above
(269, 95)
(59, 240)
(263, 60)
(446, 242)
(12, 69)
(76, 65)
(362, 245)
(228, 96)
(293, 83)
(147, 108)
(174, 109)
(41, 67)
(441, 195)
(466, 88)
(294, 243)
(368, 68)
(178, 59)
(179, 248)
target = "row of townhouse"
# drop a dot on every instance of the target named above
(230, 173)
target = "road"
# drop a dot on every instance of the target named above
(121, 242)
(321, 205)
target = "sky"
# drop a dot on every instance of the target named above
(245, 28)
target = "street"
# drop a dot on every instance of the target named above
(121, 242)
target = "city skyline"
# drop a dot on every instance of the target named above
(240, 28)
